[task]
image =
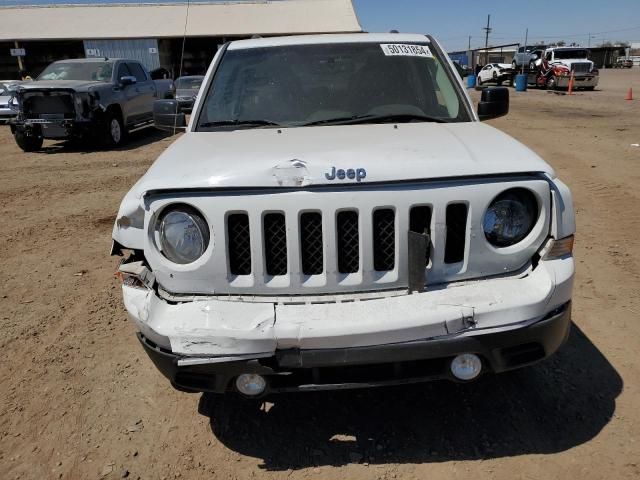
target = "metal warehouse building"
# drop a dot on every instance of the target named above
(153, 33)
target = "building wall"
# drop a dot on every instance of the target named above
(144, 50)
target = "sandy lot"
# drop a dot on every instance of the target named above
(80, 399)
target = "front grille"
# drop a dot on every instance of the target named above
(286, 244)
(384, 240)
(311, 251)
(275, 244)
(348, 233)
(239, 244)
(48, 105)
(581, 67)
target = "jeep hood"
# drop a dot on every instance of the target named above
(77, 85)
(302, 156)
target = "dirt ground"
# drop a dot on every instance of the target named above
(80, 399)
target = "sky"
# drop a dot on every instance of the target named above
(452, 23)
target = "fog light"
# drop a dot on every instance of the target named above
(251, 384)
(466, 366)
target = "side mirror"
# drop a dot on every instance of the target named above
(494, 103)
(127, 80)
(167, 116)
(538, 62)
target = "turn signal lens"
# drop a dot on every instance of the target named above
(560, 248)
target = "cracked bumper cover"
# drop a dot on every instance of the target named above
(224, 338)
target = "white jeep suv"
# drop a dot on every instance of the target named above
(336, 216)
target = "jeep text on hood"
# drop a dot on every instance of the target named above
(334, 203)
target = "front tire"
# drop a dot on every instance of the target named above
(29, 142)
(552, 83)
(113, 131)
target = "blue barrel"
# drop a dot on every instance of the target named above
(471, 81)
(521, 83)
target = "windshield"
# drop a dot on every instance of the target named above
(336, 83)
(189, 83)
(96, 71)
(568, 54)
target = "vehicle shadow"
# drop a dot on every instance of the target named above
(134, 140)
(551, 407)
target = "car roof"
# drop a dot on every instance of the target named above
(328, 39)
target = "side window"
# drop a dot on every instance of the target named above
(137, 71)
(548, 56)
(521, 50)
(488, 67)
(123, 71)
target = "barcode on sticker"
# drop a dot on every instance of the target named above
(405, 50)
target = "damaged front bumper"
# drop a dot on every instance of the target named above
(203, 344)
(55, 129)
(579, 81)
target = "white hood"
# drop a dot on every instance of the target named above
(302, 156)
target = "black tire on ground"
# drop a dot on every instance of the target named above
(112, 130)
(479, 80)
(591, 89)
(552, 83)
(29, 143)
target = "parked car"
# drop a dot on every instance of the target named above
(495, 72)
(337, 216)
(101, 98)
(623, 63)
(187, 88)
(526, 57)
(8, 102)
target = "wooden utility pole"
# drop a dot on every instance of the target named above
(487, 30)
(20, 64)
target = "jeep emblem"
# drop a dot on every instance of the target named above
(357, 174)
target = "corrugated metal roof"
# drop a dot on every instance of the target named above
(168, 20)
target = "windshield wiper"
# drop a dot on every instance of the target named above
(240, 123)
(388, 118)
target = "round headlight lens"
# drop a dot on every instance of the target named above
(184, 235)
(510, 217)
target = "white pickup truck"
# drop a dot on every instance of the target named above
(337, 216)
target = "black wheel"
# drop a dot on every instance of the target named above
(479, 80)
(591, 89)
(495, 76)
(29, 142)
(113, 132)
(552, 83)
(532, 66)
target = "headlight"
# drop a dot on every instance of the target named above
(510, 217)
(183, 234)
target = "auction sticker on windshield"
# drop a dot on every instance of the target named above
(405, 50)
